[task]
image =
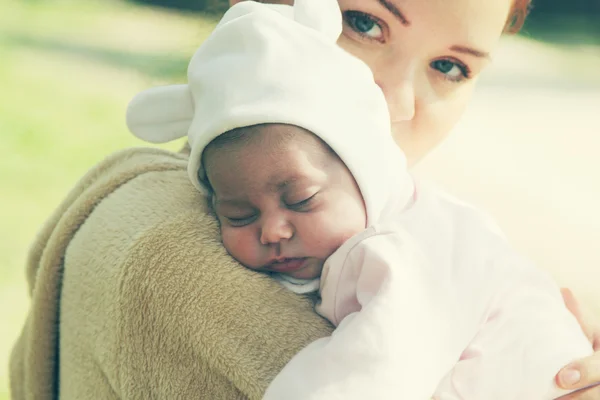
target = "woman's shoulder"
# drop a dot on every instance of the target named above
(130, 274)
(177, 286)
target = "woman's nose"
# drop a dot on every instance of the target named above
(400, 96)
(274, 229)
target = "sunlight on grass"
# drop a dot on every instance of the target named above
(66, 78)
(113, 23)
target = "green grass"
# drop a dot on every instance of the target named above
(68, 70)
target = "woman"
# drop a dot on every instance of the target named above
(132, 295)
(427, 58)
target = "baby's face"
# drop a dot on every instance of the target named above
(284, 201)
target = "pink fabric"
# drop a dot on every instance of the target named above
(435, 303)
(520, 340)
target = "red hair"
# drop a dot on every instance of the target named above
(517, 16)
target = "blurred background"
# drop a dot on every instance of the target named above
(527, 151)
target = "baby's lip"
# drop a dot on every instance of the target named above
(287, 265)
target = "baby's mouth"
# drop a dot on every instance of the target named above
(287, 265)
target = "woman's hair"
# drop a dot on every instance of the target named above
(517, 16)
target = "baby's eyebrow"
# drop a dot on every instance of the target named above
(276, 187)
(230, 202)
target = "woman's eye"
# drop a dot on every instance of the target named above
(452, 70)
(239, 222)
(364, 24)
(302, 205)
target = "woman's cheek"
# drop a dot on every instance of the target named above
(357, 49)
(432, 123)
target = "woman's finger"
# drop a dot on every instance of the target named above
(584, 320)
(581, 373)
(596, 342)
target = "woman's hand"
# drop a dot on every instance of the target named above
(584, 372)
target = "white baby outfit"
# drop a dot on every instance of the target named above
(429, 300)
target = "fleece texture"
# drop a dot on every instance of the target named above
(133, 296)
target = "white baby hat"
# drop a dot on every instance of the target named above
(281, 64)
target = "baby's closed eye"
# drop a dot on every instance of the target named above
(301, 203)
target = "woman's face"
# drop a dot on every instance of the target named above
(426, 55)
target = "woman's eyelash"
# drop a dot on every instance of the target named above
(352, 17)
(465, 72)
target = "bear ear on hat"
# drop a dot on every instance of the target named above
(323, 16)
(239, 10)
(244, 8)
(161, 114)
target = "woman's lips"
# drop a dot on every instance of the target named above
(287, 265)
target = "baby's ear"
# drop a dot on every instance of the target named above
(161, 114)
(322, 15)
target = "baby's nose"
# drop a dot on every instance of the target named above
(275, 229)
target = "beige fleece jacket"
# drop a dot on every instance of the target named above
(133, 297)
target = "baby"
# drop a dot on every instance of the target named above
(290, 138)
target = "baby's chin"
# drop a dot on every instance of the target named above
(311, 271)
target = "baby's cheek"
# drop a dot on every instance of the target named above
(329, 232)
(241, 246)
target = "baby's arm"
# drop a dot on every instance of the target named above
(528, 336)
(399, 341)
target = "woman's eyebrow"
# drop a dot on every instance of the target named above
(470, 51)
(395, 11)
